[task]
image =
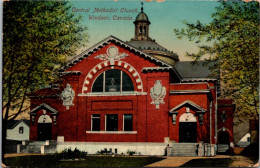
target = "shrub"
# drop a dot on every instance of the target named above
(131, 153)
(70, 154)
(105, 151)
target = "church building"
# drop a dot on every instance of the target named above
(133, 96)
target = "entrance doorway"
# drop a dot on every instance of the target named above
(223, 142)
(188, 132)
(44, 131)
(187, 128)
(223, 137)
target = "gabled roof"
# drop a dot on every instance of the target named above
(14, 123)
(43, 106)
(194, 105)
(106, 41)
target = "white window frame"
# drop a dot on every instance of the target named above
(124, 122)
(111, 132)
(92, 117)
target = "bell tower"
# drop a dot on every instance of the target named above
(141, 27)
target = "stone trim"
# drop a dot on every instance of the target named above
(105, 42)
(190, 83)
(189, 91)
(112, 132)
(43, 105)
(198, 79)
(200, 109)
(147, 69)
(113, 94)
(224, 129)
(128, 67)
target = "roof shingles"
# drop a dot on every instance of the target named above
(188, 69)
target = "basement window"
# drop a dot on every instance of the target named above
(113, 80)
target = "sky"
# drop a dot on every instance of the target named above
(164, 17)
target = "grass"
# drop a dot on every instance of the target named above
(216, 162)
(89, 161)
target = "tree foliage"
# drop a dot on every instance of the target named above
(37, 38)
(231, 41)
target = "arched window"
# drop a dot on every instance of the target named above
(144, 30)
(140, 30)
(113, 80)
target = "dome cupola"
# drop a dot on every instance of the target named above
(142, 17)
(143, 42)
(142, 26)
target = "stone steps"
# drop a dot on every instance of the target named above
(222, 148)
(33, 147)
(184, 149)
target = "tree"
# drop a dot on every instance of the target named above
(231, 42)
(37, 38)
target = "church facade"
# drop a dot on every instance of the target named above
(132, 96)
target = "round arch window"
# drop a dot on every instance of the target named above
(113, 80)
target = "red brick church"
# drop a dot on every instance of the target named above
(133, 96)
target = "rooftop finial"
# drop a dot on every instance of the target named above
(142, 8)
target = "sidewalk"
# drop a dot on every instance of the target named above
(19, 154)
(238, 161)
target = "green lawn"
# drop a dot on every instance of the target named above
(217, 162)
(89, 161)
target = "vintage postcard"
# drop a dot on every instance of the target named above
(112, 83)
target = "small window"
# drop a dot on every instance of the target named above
(128, 122)
(111, 122)
(20, 130)
(113, 80)
(248, 139)
(95, 122)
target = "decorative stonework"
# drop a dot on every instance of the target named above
(105, 42)
(157, 93)
(67, 96)
(44, 118)
(112, 55)
(128, 67)
(187, 117)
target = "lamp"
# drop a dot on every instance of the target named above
(54, 120)
(174, 118)
(201, 118)
(33, 119)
